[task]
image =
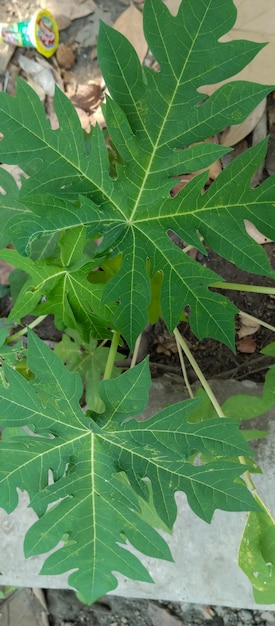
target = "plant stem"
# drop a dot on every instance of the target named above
(255, 319)
(111, 356)
(183, 368)
(199, 373)
(24, 330)
(136, 351)
(240, 287)
(249, 482)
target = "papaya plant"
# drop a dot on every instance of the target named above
(89, 472)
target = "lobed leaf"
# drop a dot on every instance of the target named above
(87, 503)
(158, 122)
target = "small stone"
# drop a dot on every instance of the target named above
(65, 56)
(268, 616)
(246, 616)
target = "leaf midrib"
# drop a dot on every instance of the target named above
(171, 104)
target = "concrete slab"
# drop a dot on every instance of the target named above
(205, 569)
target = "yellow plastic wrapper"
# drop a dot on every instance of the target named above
(40, 32)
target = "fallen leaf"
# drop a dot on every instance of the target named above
(246, 345)
(248, 326)
(84, 119)
(97, 117)
(65, 56)
(6, 52)
(234, 134)
(71, 9)
(255, 22)
(173, 5)
(130, 24)
(87, 97)
(62, 22)
(255, 233)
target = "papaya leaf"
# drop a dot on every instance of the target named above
(158, 122)
(245, 406)
(89, 360)
(88, 504)
(59, 285)
(257, 555)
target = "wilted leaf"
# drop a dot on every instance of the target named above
(248, 326)
(246, 345)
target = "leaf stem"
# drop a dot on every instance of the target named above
(24, 330)
(199, 373)
(240, 287)
(136, 351)
(112, 355)
(249, 482)
(255, 319)
(183, 368)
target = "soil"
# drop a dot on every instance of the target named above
(66, 610)
(215, 360)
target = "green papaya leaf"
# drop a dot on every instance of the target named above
(257, 555)
(85, 503)
(158, 122)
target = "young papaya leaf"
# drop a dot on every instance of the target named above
(158, 122)
(11, 207)
(89, 359)
(257, 555)
(269, 350)
(85, 504)
(60, 286)
(245, 406)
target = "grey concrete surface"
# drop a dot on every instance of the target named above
(205, 569)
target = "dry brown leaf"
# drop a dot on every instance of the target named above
(63, 22)
(130, 24)
(255, 22)
(71, 9)
(87, 97)
(84, 119)
(248, 326)
(65, 56)
(98, 118)
(234, 134)
(246, 345)
(6, 52)
(255, 233)
(173, 5)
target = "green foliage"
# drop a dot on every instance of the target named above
(89, 359)
(257, 555)
(100, 479)
(158, 123)
(86, 458)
